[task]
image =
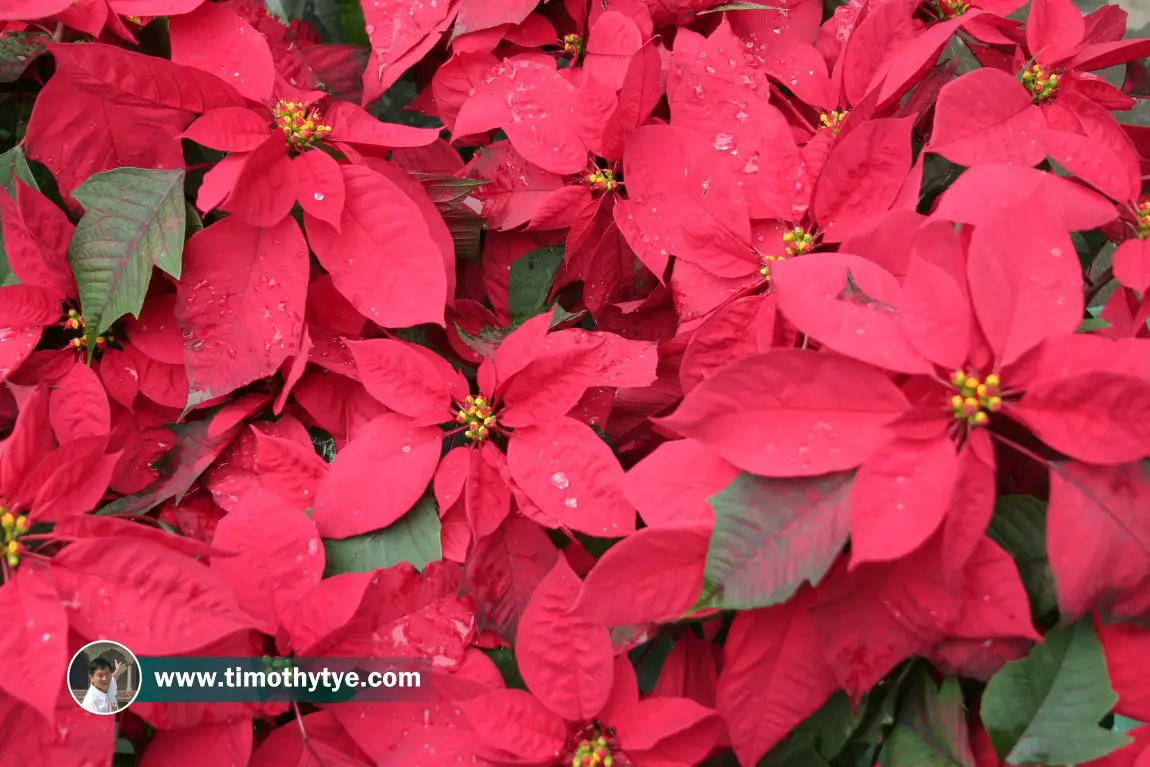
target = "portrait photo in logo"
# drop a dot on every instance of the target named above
(104, 677)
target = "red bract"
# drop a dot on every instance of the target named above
(513, 431)
(582, 706)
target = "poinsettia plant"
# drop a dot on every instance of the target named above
(687, 382)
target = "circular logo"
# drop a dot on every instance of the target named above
(104, 677)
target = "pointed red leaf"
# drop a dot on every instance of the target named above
(995, 602)
(935, 313)
(352, 125)
(1098, 539)
(403, 379)
(739, 329)
(515, 722)
(1054, 30)
(290, 470)
(62, 134)
(661, 729)
(1034, 294)
(377, 477)
(652, 576)
(536, 107)
(1132, 265)
(774, 676)
(36, 631)
(1077, 207)
(278, 556)
(572, 475)
(134, 79)
(488, 496)
(875, 616)
(863, 174)
(850, 305)
(754, 415)
(1126, 646)
(673, 483)
(565, 659)
(230, 129)
(319, 187)
(503, 572)
(900, 497)
(150, 598)
(383, 259)
(241, 303)
(78, 406)
(1098, 417)
(987, 116)
(214, 39)
(72, 479)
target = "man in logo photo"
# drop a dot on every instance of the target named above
(101, 695)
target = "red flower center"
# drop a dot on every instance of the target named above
(573, 45)
(75, 322)
(798, 242)
(1041, 83)
(302, 127)
(975, 399)
(952, 8)
(478, 415)
(603, 180)
(833, 120)
(12, 526)
(595, 750)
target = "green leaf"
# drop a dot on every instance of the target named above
(413, 538)
(819, 740)
(797, 749)
(1044, 709)
(773, 535)
(742, 7)
(134, 219)
(177, 470)
(879, 712)
(194, 223)
(17, 51)
(448, 189)
(831, 726)
(1124, 723)
(504, 658)
(323, 443)
(649, 659)
(1091, 324)
(1019, 526)
(531, 279)
(13, 165)
(488, 339)
(930, 730)
(466, 230)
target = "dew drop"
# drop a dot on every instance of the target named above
(318, 196)
(559, 479)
